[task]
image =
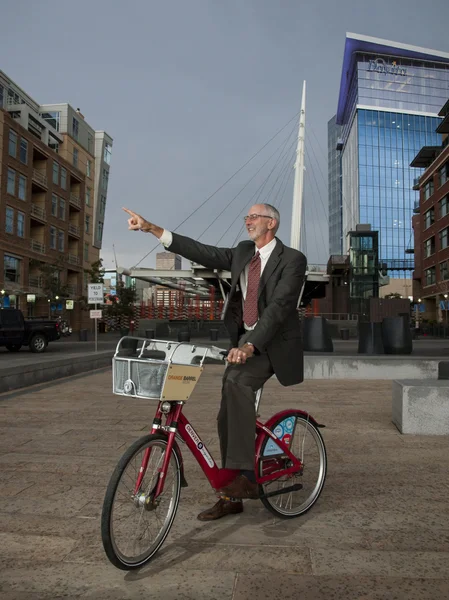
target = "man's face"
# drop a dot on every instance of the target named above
(258, 226)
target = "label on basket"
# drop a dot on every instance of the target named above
(180, 382)
(199, 444)
(284, 431)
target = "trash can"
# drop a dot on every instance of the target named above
(183, 336)
(83, 335)
(344, 334)
(149, 333)
(213, 335)
(101, 327)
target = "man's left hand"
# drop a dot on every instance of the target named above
(239, 356)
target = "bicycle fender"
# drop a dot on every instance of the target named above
(181, 462)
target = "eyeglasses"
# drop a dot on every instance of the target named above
(254, 217)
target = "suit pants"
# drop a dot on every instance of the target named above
(237, 415)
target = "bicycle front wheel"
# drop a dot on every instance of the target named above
(133, 527)
(307, 445)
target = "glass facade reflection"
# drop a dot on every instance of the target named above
(388, 110)
(387, 144)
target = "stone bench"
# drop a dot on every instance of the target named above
(421, 406)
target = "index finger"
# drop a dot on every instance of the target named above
(130, 212)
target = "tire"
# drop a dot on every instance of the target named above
(116, 500)
(13, 347)
(38, 343)
(308, 442)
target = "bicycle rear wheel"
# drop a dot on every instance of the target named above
(132, 528)
(306, 444)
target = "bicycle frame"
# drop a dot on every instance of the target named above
(178, 424)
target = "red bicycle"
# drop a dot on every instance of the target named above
(144, 490)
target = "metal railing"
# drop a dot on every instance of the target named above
(75, 200)
(35, 282)
(73, 259)
(74, 229)
(38, 211)
(37, 246)
(72, 289)
(38, 177)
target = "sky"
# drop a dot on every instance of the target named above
(190, 90)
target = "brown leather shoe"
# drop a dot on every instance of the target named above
(241, 487)
(221, 509)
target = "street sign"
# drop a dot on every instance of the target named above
(96, 314)
(95, 293)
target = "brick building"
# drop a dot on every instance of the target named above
(431, 225)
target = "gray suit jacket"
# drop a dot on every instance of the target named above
(278, 331)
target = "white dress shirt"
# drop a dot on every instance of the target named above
(265, 253)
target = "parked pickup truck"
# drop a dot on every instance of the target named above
(15, 331)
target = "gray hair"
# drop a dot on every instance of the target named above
(273, 212)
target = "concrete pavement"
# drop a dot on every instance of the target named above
(379, 530)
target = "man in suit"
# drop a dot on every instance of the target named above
(263, 324)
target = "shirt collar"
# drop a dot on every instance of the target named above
(266, 250)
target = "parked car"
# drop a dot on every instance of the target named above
(16, 331)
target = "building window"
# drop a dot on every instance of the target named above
(444, 270)
(75, 128)
(53, 119)
(430, 275)
(22, 191)
(105, 179)
(87, 224)
(75, 157)
(9, 224)
(61, 241)
(54, 205)
(428, 189)
(100, 231)
(11, 184)
(102, 205)
(20, 224)
(55, 173)
(429, 218)
(444, 173)
(12, 147)
(87, 196)
(53, 238)
(12, 269)
(53, 143)
(107, 153)
(444, 235)
(444, 206)
(86, 251)
(23, 151)
(62, 209)
(89, 168)
(429, 247)
(63, 178)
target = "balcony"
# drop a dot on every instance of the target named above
(74, 230)
(35, 282)
(73, 259)
(72, 290)
(38, 212)
(416, 183)
(39, 178)
(416, 208)
(75, 201)
(37, 246)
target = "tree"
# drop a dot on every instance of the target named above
(122, 304)
(96, 272)
(393, 295)
(50, 274)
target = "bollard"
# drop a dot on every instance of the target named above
(183, 336)
(213, 335)
(370, 338)
(396, 335)
(316, 335)
(344, 334)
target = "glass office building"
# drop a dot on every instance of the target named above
(334, 186)
(390, 96)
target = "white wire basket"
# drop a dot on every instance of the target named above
(158, 370)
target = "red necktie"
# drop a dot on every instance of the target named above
(250, 312)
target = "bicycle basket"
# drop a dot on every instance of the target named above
(138, 378)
